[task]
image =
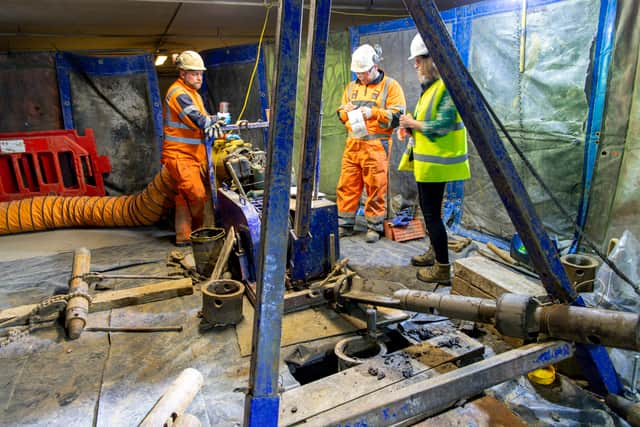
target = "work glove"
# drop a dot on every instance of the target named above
(402, 218)
(366, 112)
(242, 124)
(215, 130)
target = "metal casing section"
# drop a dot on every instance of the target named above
(310, 258)
(593, 326)
(222, 302)
(515, 315)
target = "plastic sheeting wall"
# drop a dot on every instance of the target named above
(118, 98)
(127, 139)
(544, 108)
(227, 79)
(615, 198)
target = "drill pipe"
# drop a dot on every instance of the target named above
(588, 325)
(520, 316)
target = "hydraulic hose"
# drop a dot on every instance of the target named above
(51, 212)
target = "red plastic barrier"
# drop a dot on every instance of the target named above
(58, 162)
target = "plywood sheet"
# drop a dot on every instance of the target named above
(297, 327)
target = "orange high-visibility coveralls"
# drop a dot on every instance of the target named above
(365, 160)
(183, 153)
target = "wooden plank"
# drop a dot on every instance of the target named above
(379, 374)
(115, 299)
(460, 286)
(495, 279)
(297, 327)
(223, 258)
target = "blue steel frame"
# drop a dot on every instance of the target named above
(66, 62)
(261, 407)
(595, 360)
(601, 62)
(262, 401)
(316, 51)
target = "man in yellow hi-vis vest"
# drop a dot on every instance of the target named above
(439, 156)
(370, 110)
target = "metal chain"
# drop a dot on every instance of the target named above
(44, 314)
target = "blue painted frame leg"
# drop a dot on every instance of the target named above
(316, 52)
(262, 401)
(308, 167)
(508, 184)
(601, 62)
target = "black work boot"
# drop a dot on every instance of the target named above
(425, 260)
(437, 273)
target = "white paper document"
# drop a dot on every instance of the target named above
(358, 127)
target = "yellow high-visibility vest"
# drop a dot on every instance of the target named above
(444, 158)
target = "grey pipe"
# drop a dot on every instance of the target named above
(521, 316)
(459, 307)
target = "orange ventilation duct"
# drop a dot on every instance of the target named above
(49, 212)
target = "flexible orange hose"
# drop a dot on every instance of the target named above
(49, 212)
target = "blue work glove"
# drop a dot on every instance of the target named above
(402, 218)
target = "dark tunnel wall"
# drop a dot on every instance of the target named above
(29, 98)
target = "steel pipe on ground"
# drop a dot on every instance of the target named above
(589, 325)
(77, 308)
(520, 316)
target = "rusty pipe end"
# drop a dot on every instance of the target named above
(75, 327)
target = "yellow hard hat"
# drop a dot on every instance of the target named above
(190, 61)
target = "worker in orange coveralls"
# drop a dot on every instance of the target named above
(183, 150)
(370, 110)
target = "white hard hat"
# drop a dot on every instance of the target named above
(190, 61)
(418, 47)
(363, 59)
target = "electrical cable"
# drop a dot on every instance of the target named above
(166, 29)
(553, 198)
(255, 65)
